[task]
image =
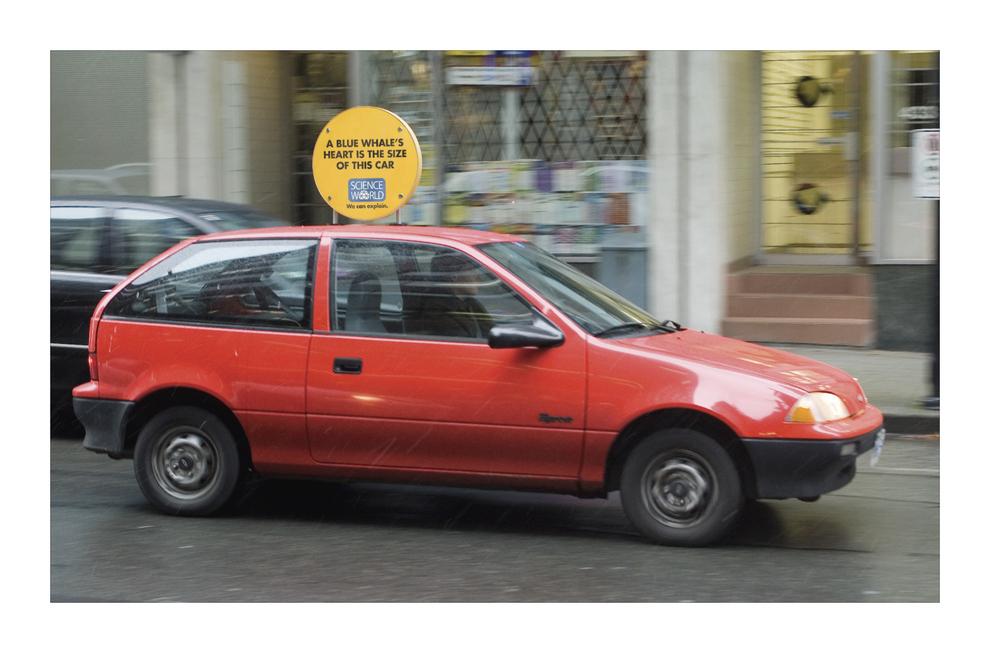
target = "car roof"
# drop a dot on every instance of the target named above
(462, 235)
(186, 204)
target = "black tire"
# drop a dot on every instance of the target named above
(187, 463)
(680, 487)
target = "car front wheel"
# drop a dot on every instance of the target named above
(186, 462)
(680, 487)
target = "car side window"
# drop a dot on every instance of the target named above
(261, 283)
(368, 298)
(419, 290)
(78, 234)
(139, 235)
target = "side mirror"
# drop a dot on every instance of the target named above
(538, 334)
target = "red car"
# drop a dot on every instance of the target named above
(448, 356)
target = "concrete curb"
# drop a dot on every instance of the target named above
(913, 438)
(911, 424)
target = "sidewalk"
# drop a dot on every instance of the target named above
(894, 382)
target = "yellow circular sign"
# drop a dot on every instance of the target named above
(367, 163)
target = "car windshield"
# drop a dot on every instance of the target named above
(597, 309)
(230, 220)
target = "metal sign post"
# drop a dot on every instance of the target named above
(925, 177)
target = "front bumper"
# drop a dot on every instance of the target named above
(805, 468)
(105, 421)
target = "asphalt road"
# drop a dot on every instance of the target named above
(877, 539)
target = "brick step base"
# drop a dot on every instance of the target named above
(796, 306)
(849, 332)
(801, 283)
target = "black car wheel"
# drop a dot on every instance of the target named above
(681, 487)
(187, 462)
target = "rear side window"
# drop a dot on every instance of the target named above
(78, 234)
(260, 283)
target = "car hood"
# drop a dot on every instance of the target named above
(801, 373)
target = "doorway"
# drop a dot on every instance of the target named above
(812, 134)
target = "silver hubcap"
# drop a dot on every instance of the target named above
(186, 463)
(679, 489)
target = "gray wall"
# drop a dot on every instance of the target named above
(99, 109)
(905, 306)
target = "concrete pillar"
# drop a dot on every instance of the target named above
(204, 163)
(236, 138)
(880, 152)
(704, 164)
(702, 180)
(663, 153)
(163, 123)
(186, 123)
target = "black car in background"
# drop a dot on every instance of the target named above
(96, 242)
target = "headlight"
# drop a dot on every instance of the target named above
(818, 407)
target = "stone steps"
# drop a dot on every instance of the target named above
(803, 307)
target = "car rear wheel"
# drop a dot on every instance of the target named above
(187, 462)
(680, 487)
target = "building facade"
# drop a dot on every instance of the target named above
(684, 179)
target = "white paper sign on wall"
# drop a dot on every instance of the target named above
(925, 163)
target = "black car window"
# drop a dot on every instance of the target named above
(139, 235)
(264, 283)
(230, 220)
(78, 234)
(418, 290)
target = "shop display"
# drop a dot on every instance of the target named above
(567, 208)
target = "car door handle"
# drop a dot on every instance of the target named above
(347, 366)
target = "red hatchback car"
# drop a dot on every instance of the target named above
(448, 356)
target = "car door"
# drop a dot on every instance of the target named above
(80, 274)
(405, 379)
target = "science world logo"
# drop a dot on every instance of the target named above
(366, 190)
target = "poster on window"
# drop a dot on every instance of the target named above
(925, 163)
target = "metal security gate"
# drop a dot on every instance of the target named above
(581, 107)
(589, 108)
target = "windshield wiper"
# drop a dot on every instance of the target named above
(631, 326)
(673, 325)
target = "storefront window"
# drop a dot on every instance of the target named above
(551, 145)
(914, 104)
(914, 87)
(560, 157)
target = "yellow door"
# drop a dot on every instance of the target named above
(812, 135)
